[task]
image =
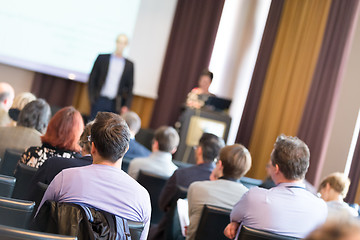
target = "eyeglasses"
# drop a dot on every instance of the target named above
(89, 138)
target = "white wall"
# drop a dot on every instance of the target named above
(346, 111)
(20, 79)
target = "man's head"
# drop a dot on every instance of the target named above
(290, 157)
(110, 136)
(339, 229)
(333, 186)
(35, 114)
(166, 139)
(84, 142)
(133, 121)
(205, 80)
(7, 95)
(234, 162)
(121, 43)
(208, 148)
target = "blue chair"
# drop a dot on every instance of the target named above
(23, 175)
(12, 233)
(7, 185)
(15, 212)
(11, 158)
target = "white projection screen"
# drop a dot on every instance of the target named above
(63, 38)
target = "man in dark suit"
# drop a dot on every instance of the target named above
(205, 153)
(111, 81)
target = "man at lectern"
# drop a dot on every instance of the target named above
(111, 81)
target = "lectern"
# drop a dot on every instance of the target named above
(194, 122)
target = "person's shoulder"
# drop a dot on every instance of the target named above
(197, 185)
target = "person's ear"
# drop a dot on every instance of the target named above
(174, 150)
(93, 148)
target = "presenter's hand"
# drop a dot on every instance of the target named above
(231, 229)
(124, 109)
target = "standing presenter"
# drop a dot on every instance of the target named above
(111, 81)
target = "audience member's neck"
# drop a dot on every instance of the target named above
(102, 161)
(285, 180)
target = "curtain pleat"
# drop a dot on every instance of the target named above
(288, 78)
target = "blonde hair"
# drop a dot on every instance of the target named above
(22, 99)
(337, 181)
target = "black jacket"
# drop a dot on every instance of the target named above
(97, 79)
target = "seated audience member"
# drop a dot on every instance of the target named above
(164, 144)
(103, 185)
(60, 140)
(19, 103)
(333, 190)
(234, 162)
(135, 148)
(198, 96)
(337, 230)
(287, 209)
(32, 123)
(7, 94)
(55, 165)
(205, 154)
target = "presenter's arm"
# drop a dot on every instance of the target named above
(93, 78)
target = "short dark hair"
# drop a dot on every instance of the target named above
(132, 120)
(110, 135)
(167, 138)
(236, 161)
(36, 114)
(210, 145)
(206, 72)
(292, 156)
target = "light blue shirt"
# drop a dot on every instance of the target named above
(113, 77)
(103, 187)
(287, 209)
(159, 163)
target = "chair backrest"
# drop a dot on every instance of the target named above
(153, 183)
(15, 213)
(136, 229)
(12, 233)
(250, 182)
(173, 227)
(23, 175)
(247, 233)
(212, 223)
(11, 158)
(7, 184)
(38, 194)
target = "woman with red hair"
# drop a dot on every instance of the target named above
(61, 138)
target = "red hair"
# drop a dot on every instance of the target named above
(64, 129)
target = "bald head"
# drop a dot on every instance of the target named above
(7, 95)
(121, 43)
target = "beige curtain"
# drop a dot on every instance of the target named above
(288, 78)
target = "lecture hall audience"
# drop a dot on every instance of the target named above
(32, 123)
(206, 153)
(61, 138)
(164, 144)
(54, 165)
(225, 190)
(287, 209)
(103, 185)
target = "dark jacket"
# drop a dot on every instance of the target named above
(97, 79)
(84, 222)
